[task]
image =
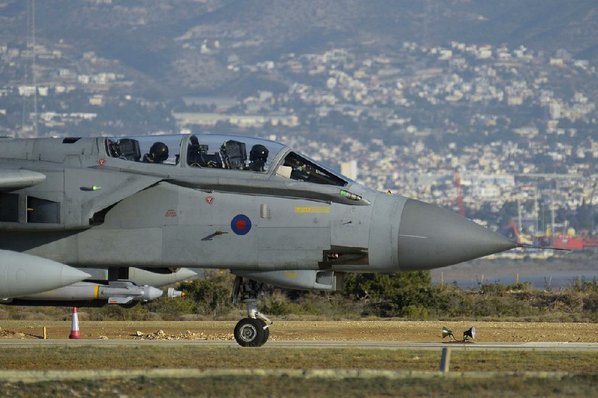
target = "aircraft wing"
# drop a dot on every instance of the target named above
(15, 179)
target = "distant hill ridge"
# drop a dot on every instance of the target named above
(165, 38)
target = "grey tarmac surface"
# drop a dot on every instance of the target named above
(556, 346)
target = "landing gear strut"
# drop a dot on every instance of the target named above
(254, 330)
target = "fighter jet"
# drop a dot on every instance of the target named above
(258, 208)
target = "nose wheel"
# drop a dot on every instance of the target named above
(254, 330)
(251, 332)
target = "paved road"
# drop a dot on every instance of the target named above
(557, 346)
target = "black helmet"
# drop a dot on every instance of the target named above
(258, 152)
(159, 152)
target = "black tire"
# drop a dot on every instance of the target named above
(266, 330)
(251, 332)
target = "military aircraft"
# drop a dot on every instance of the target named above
(162, 203)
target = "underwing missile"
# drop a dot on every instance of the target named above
(118, 292)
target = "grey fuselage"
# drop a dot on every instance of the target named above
(98, 210)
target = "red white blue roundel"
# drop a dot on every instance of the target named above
(240, 224)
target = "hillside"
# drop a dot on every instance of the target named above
(162, 41)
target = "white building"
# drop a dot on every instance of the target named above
(349, 169)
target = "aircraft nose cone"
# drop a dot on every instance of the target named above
(431, 237)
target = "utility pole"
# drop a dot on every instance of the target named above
(519, 216)
(552, 217)
(34, 68)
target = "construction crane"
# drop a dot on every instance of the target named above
(460, 205)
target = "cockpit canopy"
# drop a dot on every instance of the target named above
(214, 151)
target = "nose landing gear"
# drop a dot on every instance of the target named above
(254, 330)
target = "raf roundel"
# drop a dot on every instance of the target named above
(240, 224)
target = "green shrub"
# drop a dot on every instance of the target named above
(416, 312)
(388, 295)
(171, 309)
(212, 294)
(408, 295)
(277, 304)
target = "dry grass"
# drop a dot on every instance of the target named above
(574, 386)
(372, 330)
(581, 365)
(582, 382)
(201, 357)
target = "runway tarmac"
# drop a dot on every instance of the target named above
(386, 345)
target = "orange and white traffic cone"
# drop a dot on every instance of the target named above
(75, 334)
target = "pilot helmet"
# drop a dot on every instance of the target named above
(159, 152)
(258, 152)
